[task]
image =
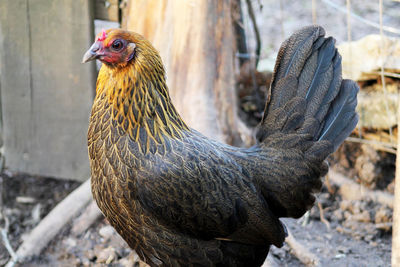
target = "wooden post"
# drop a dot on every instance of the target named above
(46, 92)
(396, 210)
(197, 45)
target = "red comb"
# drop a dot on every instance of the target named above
(103, 36)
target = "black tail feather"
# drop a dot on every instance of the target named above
(309, 67)
(341, 117)
(291, 59)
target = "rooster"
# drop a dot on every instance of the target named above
(179, 198)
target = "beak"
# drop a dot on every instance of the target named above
(92, 53)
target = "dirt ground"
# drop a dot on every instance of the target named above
(355, 233)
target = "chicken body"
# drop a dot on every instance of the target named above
(181, 199)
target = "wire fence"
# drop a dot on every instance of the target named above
(348, 21)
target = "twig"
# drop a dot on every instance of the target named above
(387, 147)
(4, 237)
(51, 225)
(300, 251)
(14, 257)
(385, 73)
(255, 29)
(256, 58)
(328, 185)
(322, 218)
(4, 230)
(241, 41)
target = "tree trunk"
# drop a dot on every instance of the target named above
(197, 44)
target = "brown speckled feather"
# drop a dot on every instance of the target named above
(181, 199)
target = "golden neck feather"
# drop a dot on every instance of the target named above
(139, 99)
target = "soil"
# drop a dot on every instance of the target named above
(26, 200)
(355, 233)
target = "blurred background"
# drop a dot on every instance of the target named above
(219, 58)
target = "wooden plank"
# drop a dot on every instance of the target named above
(46, 91)
(15, 81)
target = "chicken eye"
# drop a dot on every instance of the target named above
(117, 45)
